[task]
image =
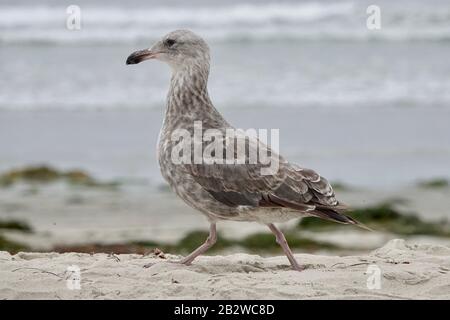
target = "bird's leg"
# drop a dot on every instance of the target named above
(281, 240)
(210, 241)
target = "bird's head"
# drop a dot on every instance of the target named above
(178, 48)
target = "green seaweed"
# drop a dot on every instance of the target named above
(46, 174)
(259, 242)
(188, 243)
(266, 241)
(193, 239)
(11, 246)
(435, 183)
(15, 225)
(29, 174)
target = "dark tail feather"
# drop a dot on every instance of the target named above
(335, 213)
(332, 215)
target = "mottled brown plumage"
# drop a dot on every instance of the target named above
(228, 191)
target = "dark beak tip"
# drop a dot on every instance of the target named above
(139, 56)
(130, 60)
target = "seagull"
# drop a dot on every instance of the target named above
(224, 190)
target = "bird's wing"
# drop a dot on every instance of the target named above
(253, 184)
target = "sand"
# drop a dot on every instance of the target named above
(406, 271)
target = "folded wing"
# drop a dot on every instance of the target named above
(248, 183)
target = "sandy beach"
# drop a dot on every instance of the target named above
(407, 271)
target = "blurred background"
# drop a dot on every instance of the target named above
(368, 109)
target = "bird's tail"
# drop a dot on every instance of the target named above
(336, 214)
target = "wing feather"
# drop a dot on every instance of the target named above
(291, 186)
(290, 182)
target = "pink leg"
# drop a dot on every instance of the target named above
(210, 241)
(281, 240)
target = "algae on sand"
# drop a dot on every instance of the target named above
(46, 174)
(15, 225)
(9, 245)
(437, 183)
(256, 243)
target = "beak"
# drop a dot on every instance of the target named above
(141, 55)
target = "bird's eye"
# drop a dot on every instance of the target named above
(169, 42)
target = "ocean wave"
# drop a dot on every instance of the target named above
(238, 22)
(324, 100)
(12, 16)
(100, 37)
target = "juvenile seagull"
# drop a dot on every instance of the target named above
(239, 192)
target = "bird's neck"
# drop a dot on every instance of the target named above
(191, 80)
(188, 99)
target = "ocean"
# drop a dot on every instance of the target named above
(362, 107)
